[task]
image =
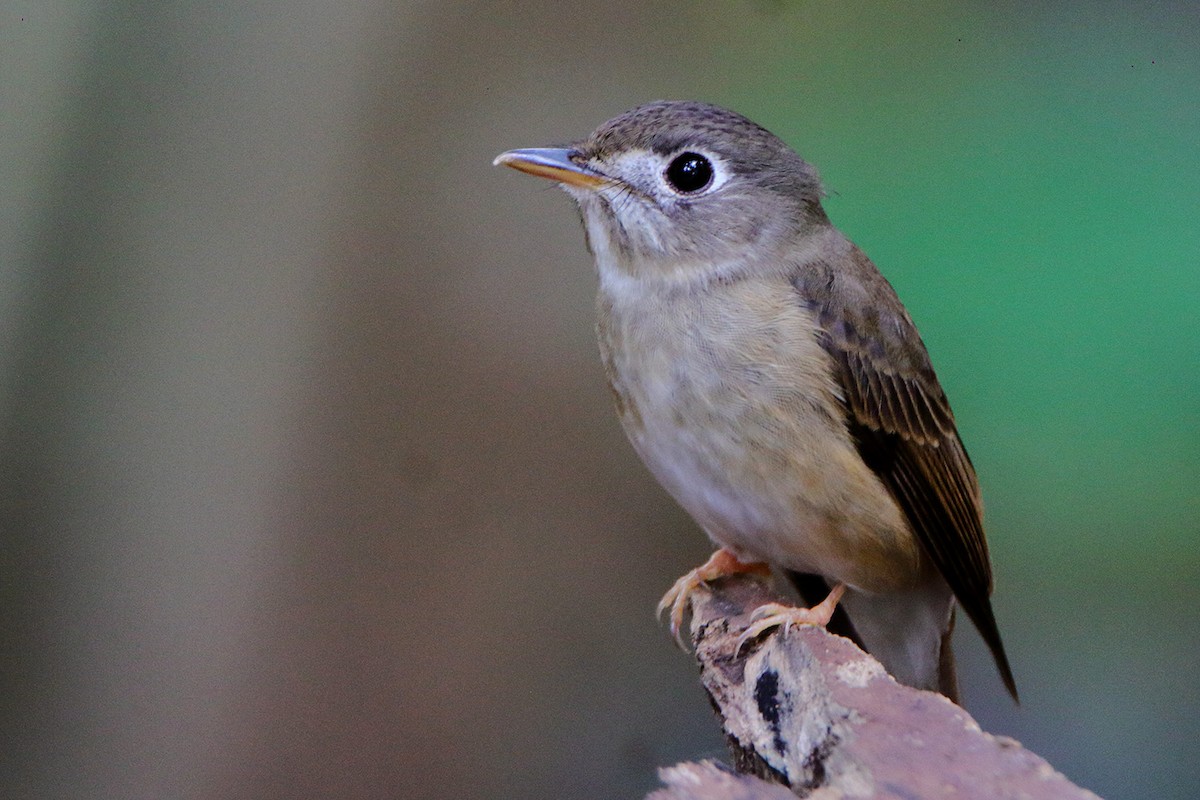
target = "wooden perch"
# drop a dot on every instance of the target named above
(811, 711)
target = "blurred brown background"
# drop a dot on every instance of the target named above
(311, 487)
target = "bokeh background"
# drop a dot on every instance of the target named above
(310, 486)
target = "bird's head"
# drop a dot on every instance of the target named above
(670, 188)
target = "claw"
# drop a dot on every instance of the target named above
(677, 599)
(776, 615)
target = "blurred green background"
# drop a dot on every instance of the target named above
(310, 486)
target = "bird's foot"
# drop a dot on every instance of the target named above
(721, 564)
(775, 615)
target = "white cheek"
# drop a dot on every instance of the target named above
(642, 206)
(598, 238)
(642, 223)
(647, 171)
(641, 168)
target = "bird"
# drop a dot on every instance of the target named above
(770, 378)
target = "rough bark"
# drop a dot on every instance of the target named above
(811, 712)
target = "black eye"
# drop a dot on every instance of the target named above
(690, 172)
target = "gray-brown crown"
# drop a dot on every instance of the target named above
(667, 126)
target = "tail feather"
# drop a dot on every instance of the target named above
(908, 632)
(947, 672)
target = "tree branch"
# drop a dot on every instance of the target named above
(810, 711)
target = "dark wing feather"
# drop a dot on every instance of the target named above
(903, 426)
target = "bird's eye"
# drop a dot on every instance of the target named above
(689, 172)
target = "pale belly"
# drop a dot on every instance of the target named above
(739, 422)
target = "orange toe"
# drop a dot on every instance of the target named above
(776, 615)
(721, 564)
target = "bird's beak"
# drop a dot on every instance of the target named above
(553, 163)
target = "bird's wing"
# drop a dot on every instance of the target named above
(903, 427)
